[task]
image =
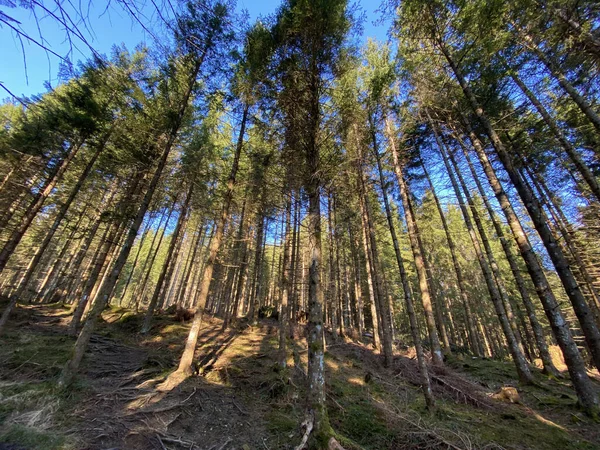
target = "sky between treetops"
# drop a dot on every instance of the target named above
(25, 68)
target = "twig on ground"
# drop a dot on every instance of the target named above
(178, 441)
(161, 442)
(239, 408)
(225, 444)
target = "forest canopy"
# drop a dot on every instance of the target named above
(426, 205)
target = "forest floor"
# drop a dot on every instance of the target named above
(239, 399)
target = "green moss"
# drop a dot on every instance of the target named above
(363, 424)
(32, 353)
(279, 422)
(511, 428)
(32, 439)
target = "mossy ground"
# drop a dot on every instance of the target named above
(242, 395)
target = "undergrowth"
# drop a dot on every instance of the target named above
(369, 407)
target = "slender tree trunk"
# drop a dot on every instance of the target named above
(317, 409)
(181, 221)
(585, 391)
(533, 320)
(426, 382)
(332, 288)
(475, 345)
(519, 360)
(370, 270)
(413, 231)
(255, 287)
(185, 285)
(32, 210)
(140, 291)
(336, 241)
(293, 308)
(285, 284)
(187, 358)
(137, 255)
(357, 281)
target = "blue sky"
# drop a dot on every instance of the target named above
(25, 67)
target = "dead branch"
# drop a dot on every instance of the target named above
(308, 424)
(239, 408)
(225, 444)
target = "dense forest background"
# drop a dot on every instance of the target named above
(429, 200)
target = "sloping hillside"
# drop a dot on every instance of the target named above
(240, 400)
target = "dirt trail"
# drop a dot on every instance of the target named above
(239, 399)
(204, 412)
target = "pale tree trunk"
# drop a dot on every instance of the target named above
(475, 345)
(140, 290)
(357, 281)
(257, 275)
(332, 291)
(413, 231)
(236, 268)
(293, 308)
(370, 270)
(232, 314)
(285, 284)
(145, 233)
(336, 240)
(410, 309)
(315, 339)
(185, 284)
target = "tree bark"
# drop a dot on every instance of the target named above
(585, 391)
(426, 382)
(185, 363)
(413, 231)
(32, 210)
(538, 332)
(181, 221)
(521, 365)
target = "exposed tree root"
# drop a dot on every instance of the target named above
(308, 427)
